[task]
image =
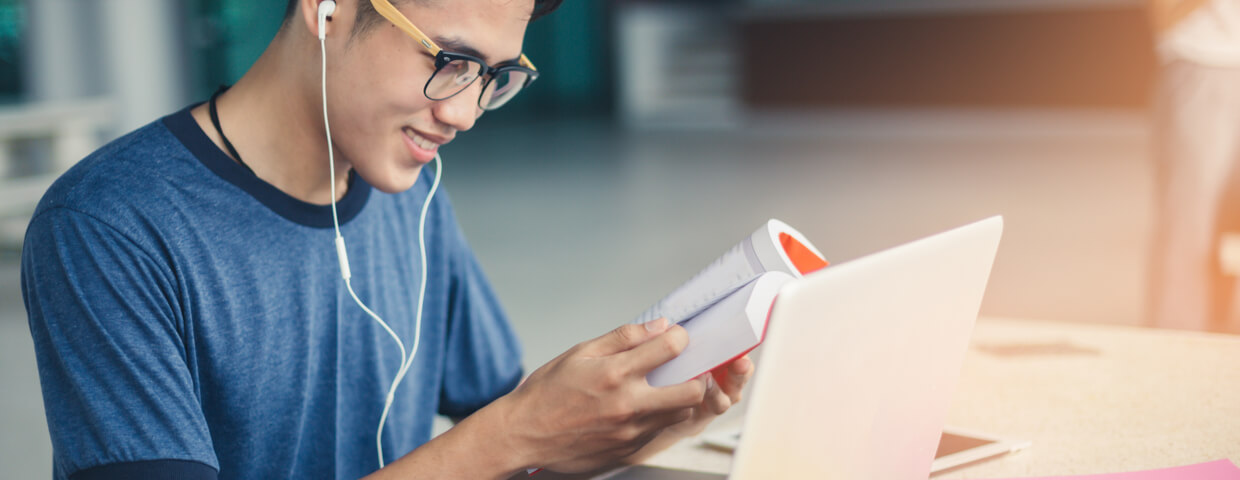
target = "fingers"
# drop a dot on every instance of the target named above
(681, 395)
(717, 401)
(742, 366)
(657, 350)
(733, 376)
(626, 337)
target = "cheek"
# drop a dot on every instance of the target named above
(379, 90)
(383, 73)
(369, 103)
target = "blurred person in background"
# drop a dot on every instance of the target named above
(1197, 148)
(187, 308)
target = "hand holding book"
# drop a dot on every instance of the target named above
(725, 306)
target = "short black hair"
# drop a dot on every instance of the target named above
(367, 17)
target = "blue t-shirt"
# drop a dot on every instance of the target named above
(190, 320)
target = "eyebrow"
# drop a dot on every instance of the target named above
(456, 45)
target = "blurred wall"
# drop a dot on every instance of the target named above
(12, 21)
(1082, 55)
(129, 51)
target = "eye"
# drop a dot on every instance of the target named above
(461, 71)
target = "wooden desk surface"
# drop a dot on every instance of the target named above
(1092, 398)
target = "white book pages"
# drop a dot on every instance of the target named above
(729, 272)
(760, 252)
(728, 328)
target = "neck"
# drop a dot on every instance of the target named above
(274, 118)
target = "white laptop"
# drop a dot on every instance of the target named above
(860, 362)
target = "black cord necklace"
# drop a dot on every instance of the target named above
(215, 120)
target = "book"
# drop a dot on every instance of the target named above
(725, 307)
(726, 330)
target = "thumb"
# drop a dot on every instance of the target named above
(626, 337)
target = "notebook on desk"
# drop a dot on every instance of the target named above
(868, 351)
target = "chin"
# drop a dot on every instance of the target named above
(394, 180)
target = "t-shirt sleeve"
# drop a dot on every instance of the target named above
(109, 342)
(483, 354)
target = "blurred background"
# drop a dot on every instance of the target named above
(662, 132)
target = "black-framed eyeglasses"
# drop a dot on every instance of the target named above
(454, 72)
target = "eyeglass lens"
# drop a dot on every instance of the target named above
(453, 77)
(502, 88)
(459, 74)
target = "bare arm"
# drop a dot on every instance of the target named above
(588, 408)
(474, 448)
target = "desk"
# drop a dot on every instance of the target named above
(1092, 398)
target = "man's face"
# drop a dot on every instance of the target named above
(382, 123)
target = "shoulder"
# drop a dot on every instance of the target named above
(132, 181)
(127, 169)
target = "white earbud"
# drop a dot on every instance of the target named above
(326, 9)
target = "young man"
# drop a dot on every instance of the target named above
(187, 306)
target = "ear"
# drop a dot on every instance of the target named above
(309, 10)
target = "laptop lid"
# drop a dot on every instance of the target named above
(861, 361)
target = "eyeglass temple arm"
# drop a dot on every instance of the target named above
(389, 11)
(385, 8)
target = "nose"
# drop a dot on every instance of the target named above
(460, 111)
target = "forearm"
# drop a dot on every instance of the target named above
(475, 448)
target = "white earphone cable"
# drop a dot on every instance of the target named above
(341, 252)
(406, 358)
(417, 327)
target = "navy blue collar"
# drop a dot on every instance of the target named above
(183, 126)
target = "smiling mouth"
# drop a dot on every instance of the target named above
(422, 142)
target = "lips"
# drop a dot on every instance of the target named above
(421, 141)
(422, 146)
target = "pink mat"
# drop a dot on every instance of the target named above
(1216, 470)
